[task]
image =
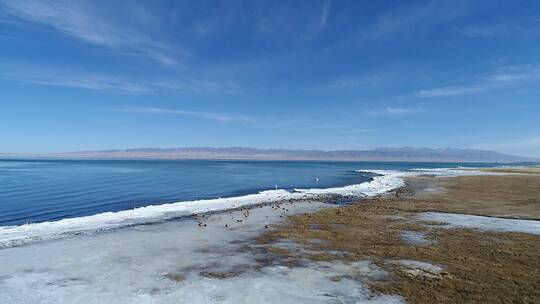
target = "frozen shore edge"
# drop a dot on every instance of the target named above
(386, 180)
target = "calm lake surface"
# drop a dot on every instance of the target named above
(47, 190)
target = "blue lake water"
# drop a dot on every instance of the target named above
(46, 190)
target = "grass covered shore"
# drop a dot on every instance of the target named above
(426, 261)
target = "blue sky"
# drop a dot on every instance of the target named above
(86, 75)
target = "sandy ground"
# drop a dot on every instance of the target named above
(432, 261)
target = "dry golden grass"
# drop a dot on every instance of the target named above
(509, 196)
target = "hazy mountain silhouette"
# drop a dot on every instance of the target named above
(379, 154)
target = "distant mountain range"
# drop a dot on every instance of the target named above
(380, 154)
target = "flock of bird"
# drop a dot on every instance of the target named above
(202, 219)
(278, 206)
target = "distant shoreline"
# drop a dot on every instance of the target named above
(168, 158)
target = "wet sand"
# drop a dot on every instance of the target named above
(432, 261)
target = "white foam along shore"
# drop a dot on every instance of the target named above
(18, 235)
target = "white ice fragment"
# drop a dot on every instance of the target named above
(419, 269)
(482, 222)
(415, 238)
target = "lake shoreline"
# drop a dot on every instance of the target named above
(382, 249)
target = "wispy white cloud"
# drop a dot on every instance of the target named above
(453, 90)
(357, 131)
(113, 82)
(200, 86)
(98, 82)
(351, 82)
(325, 12)
(493, 30)
(388, 111)
(295, 20)
(219, 117)
(404, 19)
(516, 73)
(503, 77)
(89, 22)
